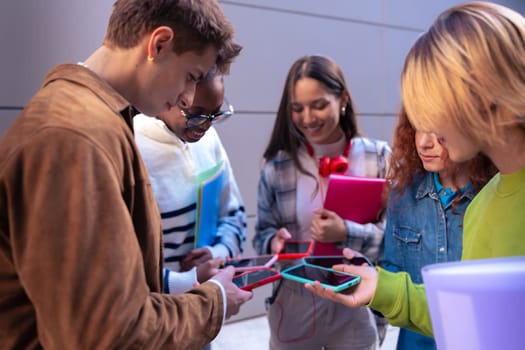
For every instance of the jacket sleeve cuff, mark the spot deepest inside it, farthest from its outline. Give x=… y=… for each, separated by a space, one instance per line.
x=219 y=251
x=179 y=282
x=389 y=292
x=224 y=300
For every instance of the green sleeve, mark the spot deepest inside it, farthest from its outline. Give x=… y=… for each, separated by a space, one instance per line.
x=402 y=302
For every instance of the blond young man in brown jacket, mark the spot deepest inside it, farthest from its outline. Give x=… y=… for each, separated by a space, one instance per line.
x=80 y=233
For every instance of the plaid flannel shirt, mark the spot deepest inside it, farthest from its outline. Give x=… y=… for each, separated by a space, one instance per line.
x=276 y=201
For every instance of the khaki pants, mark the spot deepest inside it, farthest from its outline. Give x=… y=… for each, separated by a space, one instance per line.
x=300 y=320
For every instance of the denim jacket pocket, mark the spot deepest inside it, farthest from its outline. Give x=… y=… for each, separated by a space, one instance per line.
x=408 y=243
x=407 y=235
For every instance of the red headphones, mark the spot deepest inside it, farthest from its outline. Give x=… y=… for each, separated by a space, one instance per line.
x=329 y=165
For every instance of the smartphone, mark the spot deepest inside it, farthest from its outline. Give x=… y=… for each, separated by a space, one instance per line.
x=331 y=260
x=249 y=280
x=296 y=249
x=251 y=263
x=328 y=277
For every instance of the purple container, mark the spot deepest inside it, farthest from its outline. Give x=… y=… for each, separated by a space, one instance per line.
x=477 y=304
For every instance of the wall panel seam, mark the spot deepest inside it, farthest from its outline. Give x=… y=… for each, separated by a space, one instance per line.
x=329 y=17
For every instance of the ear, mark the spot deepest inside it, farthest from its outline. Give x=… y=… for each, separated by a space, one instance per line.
x=160 y=41
x=344 y=99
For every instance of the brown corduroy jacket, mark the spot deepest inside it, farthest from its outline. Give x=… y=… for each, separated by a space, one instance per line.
x=80 y=232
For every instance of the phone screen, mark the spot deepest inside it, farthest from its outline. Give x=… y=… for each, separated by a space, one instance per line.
x=253 y=277
x=329 y=261
x=249 y=262
x=296 y=247
x=329 y=277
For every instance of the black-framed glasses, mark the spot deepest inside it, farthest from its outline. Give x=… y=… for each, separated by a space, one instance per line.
x=193 y=120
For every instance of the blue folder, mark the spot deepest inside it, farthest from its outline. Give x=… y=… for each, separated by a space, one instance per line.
x=210 y=184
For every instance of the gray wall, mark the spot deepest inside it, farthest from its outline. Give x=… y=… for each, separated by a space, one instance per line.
x=369 y=39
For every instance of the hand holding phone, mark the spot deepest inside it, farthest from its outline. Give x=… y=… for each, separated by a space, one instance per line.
x=249 y=280
x=360 y=295
x=328 y=277
x=235 y=296
x=277 y=242
x=208 y=269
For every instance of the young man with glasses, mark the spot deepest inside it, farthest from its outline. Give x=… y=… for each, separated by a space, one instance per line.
x=177 y=147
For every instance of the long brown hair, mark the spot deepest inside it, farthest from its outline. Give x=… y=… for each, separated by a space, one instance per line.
x=285 y=136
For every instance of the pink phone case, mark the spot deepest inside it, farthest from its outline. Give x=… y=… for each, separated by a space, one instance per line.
x=252 y=262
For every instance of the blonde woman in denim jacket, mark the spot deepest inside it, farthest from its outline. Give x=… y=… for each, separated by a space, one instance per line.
x=428 y=198
x=315 y=119
x=473 y=99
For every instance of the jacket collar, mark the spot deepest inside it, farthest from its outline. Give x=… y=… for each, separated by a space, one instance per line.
x=81 y=75
x=427 y=188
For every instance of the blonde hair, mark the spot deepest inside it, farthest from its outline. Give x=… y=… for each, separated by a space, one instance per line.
x=468 y=70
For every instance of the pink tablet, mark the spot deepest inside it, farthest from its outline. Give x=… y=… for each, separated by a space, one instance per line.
x=358 y=199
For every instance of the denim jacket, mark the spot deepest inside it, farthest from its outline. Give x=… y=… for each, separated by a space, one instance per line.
x=419 y=232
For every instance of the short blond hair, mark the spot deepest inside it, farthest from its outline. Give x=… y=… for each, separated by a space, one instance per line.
x=468 y=70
